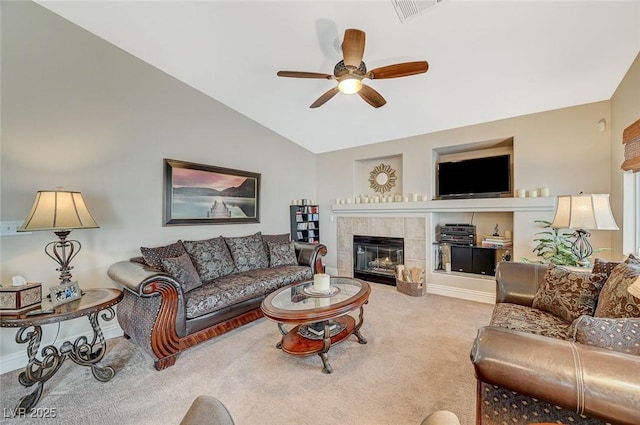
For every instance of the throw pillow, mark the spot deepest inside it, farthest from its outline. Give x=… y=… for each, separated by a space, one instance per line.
x=568 y=294
x=211 y=258
x=281 y=238
x=154 y=256
x=248 y=252
x=614 y=299
x=604 y=266
x=182 y=269
x=282 y=254
x=619 y=334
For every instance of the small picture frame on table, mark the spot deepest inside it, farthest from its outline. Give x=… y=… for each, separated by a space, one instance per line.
x=65 y=293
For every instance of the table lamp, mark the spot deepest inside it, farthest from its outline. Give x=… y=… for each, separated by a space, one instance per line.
x=583 y=212
x=60 y=211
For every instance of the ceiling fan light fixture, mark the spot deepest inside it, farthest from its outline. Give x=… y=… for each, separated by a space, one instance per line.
x=350 y=85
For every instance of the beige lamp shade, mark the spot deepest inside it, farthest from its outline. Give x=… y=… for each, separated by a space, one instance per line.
x=58 y=210
x=584 y=212
x=634 y=288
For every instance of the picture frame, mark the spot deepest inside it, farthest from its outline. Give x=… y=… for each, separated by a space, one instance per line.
x=196 y=194
x=65 y=293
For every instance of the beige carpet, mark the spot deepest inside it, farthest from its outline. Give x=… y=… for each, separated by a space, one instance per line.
x=416 y=361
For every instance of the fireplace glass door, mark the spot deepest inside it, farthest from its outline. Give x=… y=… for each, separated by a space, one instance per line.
x=375 y=258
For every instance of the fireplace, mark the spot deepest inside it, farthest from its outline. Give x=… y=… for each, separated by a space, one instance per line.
x=375 y=258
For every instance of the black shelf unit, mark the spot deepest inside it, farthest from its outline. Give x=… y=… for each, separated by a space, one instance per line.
x=305 y=223
x=476 y=259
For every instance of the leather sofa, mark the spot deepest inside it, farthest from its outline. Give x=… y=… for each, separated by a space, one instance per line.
x=534 y=366
x=185 y=293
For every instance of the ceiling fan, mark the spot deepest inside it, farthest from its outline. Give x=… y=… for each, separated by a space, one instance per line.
x=350 y=72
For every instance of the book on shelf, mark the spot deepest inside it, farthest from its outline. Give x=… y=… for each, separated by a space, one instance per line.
x=489 y=244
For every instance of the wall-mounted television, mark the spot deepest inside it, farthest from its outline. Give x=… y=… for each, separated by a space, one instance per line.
x=484 y=177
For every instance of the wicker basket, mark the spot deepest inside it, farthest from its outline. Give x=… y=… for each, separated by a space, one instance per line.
x=411 y=288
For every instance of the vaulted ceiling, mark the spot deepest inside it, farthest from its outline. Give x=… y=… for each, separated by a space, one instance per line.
x=488 y=60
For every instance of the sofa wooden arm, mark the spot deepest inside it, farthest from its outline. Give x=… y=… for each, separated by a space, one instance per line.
x=152 y=311
x=588 y=380
x=517 y=283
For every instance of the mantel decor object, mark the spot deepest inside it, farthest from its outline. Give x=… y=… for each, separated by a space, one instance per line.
x=60 y=211
x=583 y=212
x=382 y=178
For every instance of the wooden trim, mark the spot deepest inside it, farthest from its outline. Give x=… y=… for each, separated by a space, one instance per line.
x=632 y=164
x=631 y=133
x=165 y=342
x=220 y=328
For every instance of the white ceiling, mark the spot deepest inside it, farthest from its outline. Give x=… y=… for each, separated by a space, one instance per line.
x=488 y=60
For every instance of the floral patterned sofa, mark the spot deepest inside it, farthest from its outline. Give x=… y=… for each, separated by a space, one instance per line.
x=184 y=293
x=562 y=346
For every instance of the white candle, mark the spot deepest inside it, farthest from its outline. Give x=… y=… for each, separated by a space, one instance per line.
x=532 y=193
x=544 y=191
x=414 y=197
x=520 y=193
x=321 y=282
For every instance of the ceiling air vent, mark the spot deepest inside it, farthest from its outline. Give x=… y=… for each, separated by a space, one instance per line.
x=408 y=9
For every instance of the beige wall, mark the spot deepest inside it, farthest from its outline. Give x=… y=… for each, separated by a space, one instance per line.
x=80 y=113
x=625 y=109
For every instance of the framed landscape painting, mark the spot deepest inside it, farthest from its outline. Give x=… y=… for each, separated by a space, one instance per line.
x=203 y=194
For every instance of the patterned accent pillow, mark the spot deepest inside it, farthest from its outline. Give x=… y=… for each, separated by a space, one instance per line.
x=282 y=254
x=614 y=299
x=248 y=252
x=604 y=266
x=282 y=238
x=211 y=258
x=619 y=334
x=568 y=294
x=154 y=256
x=182 y=269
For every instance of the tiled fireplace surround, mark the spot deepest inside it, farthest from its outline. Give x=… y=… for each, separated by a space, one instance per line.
x=412 y=229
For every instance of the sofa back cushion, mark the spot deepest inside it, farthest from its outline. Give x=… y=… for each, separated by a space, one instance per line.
x=154 y=256
x=614 y=299
x=604 y=266
x=211 y=258
x=569 y=294
x=281 y=238
x=248 y=252
x=183 y=270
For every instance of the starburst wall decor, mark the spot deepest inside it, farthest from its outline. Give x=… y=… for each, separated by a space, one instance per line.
x=382 y=178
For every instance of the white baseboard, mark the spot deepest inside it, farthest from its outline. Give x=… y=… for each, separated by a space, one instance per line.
x=465 y=294
x=19 y=360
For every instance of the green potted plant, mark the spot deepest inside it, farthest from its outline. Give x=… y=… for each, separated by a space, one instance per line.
x=554 y=246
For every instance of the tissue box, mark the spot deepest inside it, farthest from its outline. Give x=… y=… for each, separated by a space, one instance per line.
x=16 y=298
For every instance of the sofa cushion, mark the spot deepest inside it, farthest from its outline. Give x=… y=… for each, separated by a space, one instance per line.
x=281 y=238
x=211 y=258
x=248 y=252
x=614 y=299
x=616 y=334
x=282 y=254
x=568 y=294
x=604 y=266
x=526 y=319
x=277 y=277
x=183 y=270
x=154 y=256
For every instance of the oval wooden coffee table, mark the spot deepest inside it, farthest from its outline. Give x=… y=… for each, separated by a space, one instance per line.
x=320 y=319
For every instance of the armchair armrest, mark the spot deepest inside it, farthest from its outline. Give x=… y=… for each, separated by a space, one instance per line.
x=517 y=283
x=310 y=254
x=588 y=380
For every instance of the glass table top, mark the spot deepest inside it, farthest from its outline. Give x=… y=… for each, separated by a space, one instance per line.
x=302 y=296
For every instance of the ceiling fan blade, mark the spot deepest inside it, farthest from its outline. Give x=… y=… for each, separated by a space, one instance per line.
x=300 y=74
x=353 y=47
x=371 y=96
x=324 y=98
x=398 y=70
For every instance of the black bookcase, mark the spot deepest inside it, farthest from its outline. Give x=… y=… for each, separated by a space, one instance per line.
x=305 y=223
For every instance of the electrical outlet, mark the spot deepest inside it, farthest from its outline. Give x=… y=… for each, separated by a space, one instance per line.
x=8 y=228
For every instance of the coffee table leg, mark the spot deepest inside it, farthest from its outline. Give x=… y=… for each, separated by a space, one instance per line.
x=356 y=331
x=325 y=362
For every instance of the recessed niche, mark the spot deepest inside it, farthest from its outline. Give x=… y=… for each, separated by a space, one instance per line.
x=373 y=176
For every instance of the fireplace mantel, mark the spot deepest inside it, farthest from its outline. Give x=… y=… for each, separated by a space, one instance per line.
x=452 y=205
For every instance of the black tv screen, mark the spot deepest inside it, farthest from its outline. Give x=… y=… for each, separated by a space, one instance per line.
x=476 y=177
